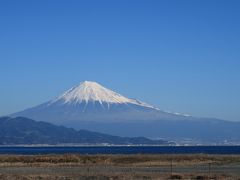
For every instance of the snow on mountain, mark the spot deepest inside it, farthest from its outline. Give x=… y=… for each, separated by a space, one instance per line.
x=91 y=102
x=88 y=91
x=94 y=107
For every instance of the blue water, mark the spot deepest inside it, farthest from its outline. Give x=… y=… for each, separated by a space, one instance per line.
x=123 y=150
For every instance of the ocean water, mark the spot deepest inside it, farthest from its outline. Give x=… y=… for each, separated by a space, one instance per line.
x=122 y=150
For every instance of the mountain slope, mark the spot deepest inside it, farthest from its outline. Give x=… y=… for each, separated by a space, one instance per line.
x=94 y=107
x=196 y=131
x=89 y=101
x=88 y=91
x=22 y=130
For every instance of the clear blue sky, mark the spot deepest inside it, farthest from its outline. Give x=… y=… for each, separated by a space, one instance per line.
x=182 y=56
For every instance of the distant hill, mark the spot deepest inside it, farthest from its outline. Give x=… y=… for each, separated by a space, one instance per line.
x=20 y=130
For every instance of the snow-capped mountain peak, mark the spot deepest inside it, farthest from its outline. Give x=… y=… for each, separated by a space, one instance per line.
x=89 y=91
x=91 y=102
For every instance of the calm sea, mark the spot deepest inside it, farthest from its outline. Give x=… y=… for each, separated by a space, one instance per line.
x=123 y=150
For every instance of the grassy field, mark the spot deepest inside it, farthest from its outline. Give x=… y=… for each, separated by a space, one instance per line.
x=75 y=166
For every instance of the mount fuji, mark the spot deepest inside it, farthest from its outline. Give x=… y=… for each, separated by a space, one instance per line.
x=94 y=107
x=89 y=101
